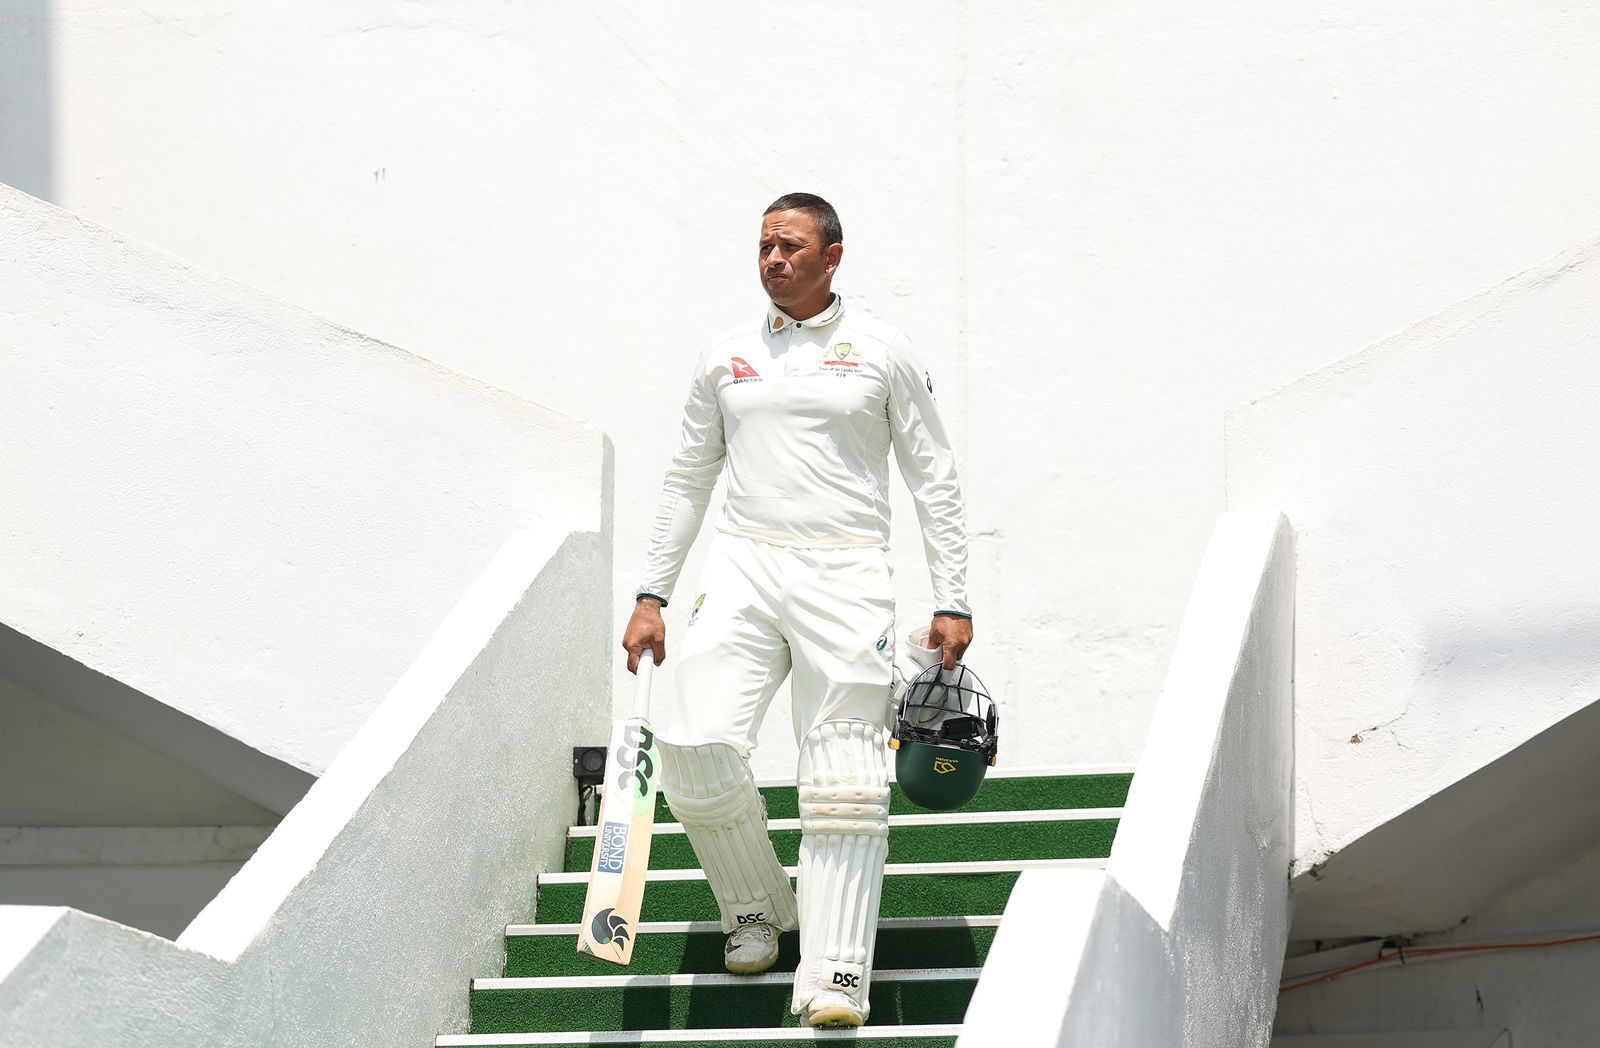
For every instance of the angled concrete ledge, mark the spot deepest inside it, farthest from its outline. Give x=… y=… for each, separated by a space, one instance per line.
x=227 y=505
x=1537 y=804
x=272 y=783
x=1444 y=485
x=1180 y=940
x=409 y=855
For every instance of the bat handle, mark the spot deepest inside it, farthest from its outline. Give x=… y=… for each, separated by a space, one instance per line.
x=641 y=684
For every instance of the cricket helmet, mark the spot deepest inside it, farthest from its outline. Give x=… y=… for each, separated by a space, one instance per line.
x=945 y=737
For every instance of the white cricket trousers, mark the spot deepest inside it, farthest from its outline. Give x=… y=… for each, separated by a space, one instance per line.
x=764 y=612
x=827 y=617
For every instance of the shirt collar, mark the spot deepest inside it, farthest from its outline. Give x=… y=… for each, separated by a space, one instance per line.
x=778 y=320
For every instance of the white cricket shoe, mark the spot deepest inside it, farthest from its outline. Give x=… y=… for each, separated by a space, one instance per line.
x=751 y=948
x=830 y=1009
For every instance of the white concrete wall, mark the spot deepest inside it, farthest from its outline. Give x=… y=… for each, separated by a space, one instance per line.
x=1443 y=860
x=1409 y=1039
x=236 y=508
x=158 y=891
x=1543 y=996
x=362 y=918
x=1179 y=942
x=92 y=819
x=1104 y=225
x=1445 y=484
x=58 y=768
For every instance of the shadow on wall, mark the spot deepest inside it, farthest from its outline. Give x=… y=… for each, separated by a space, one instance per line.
x=1429 y=868
x=25 y=103
x=1525 y=652
x=1516 y=638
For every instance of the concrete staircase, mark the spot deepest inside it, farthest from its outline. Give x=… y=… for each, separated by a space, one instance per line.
x=946 y=884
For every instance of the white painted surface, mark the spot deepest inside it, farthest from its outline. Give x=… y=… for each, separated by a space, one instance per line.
x=237 y=508
x=1441 y=861
x=59 y=768
x=154 y=878
x=1544 y=996
x=148 y=723
x=161 y=898
x=131 y=845
x=1446 y=484
x=1411 y=1039
x=21 y=929
x=1036 y=959
x=92 y=819
x=409 y=855
x=1181 y=940
x=1103 y=226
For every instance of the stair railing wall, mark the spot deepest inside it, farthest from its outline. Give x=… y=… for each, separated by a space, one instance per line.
x=359 y=920
x=1178 y=942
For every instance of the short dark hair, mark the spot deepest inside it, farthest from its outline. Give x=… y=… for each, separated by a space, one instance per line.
x=818 y=208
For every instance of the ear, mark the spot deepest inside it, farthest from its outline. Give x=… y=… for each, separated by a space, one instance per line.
x=831 y=255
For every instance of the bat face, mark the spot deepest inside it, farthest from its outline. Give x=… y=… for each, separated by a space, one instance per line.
x=622 y=846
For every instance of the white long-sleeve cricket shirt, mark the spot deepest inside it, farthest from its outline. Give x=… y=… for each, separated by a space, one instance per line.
x=804 y=413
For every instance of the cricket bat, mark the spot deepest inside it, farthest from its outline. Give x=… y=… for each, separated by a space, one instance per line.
x=622 y=840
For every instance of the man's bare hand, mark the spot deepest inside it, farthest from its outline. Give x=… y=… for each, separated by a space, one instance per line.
x=952 y=634
x=645 y=630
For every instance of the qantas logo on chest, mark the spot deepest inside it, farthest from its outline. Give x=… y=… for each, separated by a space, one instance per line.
x=742 y=368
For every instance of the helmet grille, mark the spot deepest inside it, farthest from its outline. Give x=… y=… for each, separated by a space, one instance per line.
x=949 y=708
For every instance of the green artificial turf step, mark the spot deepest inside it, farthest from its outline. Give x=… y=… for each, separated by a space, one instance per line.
x=676 y=1002
x=664 y=948
x=928 y=954
x=909 y=890
x=931 y=1035
x=1060 y=833
x=1003 y=790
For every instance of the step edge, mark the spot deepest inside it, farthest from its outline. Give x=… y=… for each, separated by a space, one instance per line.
x=956 y=818
x=782 y=1033
x=565 y=982
x=891 y=870
x=1032 y=771
x=977 y=920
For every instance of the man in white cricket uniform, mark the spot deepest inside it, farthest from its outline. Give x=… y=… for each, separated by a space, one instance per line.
x=802 y=408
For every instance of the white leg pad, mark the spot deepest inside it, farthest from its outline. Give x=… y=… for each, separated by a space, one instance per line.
x=711 y=791
x=844 y=818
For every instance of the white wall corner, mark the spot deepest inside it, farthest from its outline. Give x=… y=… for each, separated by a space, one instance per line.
x=1032 y=963
x=297 y=505
x=1439 y=480
x=418 y=846
x=21 y=928
x=1182 y=940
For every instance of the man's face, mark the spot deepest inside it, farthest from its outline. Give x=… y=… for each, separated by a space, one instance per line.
x=795 y=268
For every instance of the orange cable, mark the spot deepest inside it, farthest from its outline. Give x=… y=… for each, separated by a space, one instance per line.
x=1402 y=952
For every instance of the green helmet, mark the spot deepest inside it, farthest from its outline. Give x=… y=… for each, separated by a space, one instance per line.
x=946 y=735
